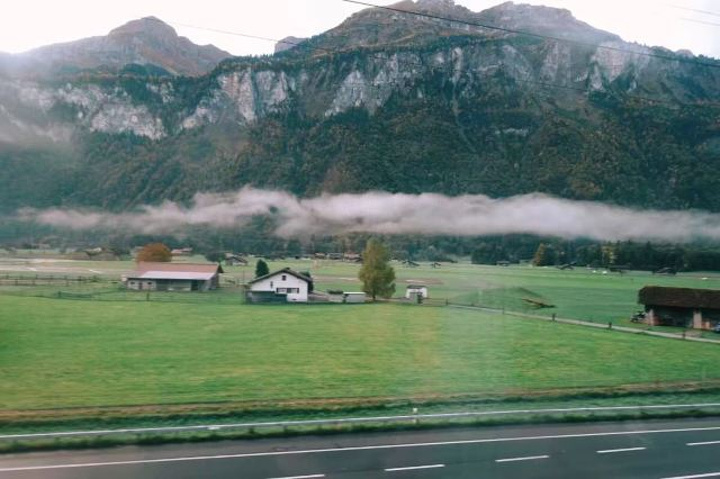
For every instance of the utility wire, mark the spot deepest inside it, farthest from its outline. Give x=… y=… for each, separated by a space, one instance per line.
x=535 y=35
x=246 y=35
x=702 y=22
x=688 y=9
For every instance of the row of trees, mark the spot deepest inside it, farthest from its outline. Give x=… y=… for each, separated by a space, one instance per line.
x=642 y=256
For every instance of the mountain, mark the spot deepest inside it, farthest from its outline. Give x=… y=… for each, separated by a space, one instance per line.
x=288 y=43
x=147 y=42
x=380 y=27
x=385 y=101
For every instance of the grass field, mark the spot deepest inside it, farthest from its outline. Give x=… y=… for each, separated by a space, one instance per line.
x=59 y=353
x=578 y=294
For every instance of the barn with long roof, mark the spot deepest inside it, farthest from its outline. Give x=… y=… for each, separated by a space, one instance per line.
x=682 y=307
x=174 y=277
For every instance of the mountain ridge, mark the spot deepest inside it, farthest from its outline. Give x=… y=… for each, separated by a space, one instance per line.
x=145 y=41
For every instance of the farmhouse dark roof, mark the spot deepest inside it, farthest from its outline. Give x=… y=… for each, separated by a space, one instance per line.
x=283 y=271
x=143 y=267
x=680 y=297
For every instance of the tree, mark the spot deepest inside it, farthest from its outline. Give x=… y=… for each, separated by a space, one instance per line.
x=545 y=255
x=261 y=268
x=540 y=258
x=377 y=275
x=155 y=253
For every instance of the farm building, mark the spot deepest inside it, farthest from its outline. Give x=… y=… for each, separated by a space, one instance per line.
x=416 y=290
x=174 y=277
x=284 y=286
x=683 y=307
x=232 y=259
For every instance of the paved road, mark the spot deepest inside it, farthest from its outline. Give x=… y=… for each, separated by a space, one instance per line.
x=686 y=449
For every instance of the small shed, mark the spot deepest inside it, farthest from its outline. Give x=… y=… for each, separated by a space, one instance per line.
x=414 y=291
x=682 y=307
x=346 y=297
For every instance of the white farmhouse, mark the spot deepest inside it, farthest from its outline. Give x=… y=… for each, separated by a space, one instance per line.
x=285 y=285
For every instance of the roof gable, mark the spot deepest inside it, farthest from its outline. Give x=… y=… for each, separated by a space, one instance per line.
x=680 y=297
x=282 y=271
x=143 y=267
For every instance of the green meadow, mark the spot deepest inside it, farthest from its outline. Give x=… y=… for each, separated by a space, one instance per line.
x=581 y=293
x=64 y=353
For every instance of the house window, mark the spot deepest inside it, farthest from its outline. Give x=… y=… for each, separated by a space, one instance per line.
x=293 y=290
x=284 y=277
x=271 y=284
x=282 y=290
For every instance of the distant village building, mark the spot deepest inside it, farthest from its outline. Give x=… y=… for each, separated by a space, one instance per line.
x=174 y=277
x=352 y=257
x=232 y=259
x=281 y=286
x=182 y=252
x=414 y=291
x=682 y=307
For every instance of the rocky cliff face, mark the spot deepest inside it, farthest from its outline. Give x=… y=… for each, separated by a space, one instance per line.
x=447 y=109
x=147 y=41
x=288 y=43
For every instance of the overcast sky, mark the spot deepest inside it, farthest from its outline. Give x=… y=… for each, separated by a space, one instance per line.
x=26 y=24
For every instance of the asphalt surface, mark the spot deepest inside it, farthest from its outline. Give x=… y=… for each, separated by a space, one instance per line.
x=686 y=449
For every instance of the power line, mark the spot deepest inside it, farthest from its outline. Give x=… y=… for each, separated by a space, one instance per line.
x=688 y=9
x=702 y=22
x=246 y=35
x=534 y=35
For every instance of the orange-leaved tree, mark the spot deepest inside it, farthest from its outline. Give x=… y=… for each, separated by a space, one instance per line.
x=155 y=253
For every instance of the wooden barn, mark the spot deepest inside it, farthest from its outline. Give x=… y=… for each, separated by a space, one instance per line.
x=682 y=307
x=174 y=277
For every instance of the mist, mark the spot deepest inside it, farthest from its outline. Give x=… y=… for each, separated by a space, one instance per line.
x=389 y=214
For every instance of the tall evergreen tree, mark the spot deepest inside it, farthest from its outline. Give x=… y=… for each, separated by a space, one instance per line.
x=261 y=268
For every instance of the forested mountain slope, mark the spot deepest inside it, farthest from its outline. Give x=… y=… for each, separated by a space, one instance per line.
x=384 y=101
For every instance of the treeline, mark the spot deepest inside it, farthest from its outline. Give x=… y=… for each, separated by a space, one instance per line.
x=621 y=255
x=257 y=238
